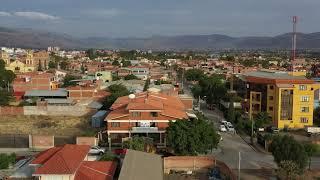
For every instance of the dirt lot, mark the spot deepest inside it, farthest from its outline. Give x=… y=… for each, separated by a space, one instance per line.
x=46 y=125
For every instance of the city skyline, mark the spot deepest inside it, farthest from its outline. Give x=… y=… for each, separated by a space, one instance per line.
x=145 y=18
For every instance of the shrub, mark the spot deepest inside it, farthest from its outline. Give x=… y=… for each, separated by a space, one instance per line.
x=6 y=160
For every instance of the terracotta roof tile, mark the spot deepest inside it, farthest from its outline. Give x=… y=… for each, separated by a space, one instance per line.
x=96 y=170
x=64 y=161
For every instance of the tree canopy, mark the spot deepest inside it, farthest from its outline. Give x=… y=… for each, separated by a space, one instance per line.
x=116 y=90
x=191 y=137
x=115 y=63
x=194 y=74
x=130 y=77
x=6 y=76
x=125 y=63
x=286 y=148
x=262 y=119
x=5 y=97
x=213 y=88
x=135 y=143
x=68 y=80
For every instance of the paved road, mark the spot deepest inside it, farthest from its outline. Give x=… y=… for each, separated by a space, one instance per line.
x=232 y=144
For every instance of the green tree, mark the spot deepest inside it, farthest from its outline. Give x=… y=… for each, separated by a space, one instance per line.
x=116 y=90
x=6 y=160
x=5 y=97
x=191 y=137
x=52 y=65
x=146 y=85
x=130 y=77
x=6 y=76
x=288 y=169
x=194 y=74
x=108 y=157
x=115 y=63
x=311 y=150
x=135 y=143
x=213 y=88
x=196 y=91
x=262 y=119
x=125 y=63
x=69 y=80
x=83 y=69
x=115 y=77
x=64 y=65
x=316 y=116
x=286 y=148
x=231 y=112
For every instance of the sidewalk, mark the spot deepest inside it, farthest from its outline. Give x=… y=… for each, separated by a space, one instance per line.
x=255 y=146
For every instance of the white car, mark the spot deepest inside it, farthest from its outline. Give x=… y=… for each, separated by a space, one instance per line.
x=97 y=150
x=230 y=128
x=223 y=122
x=223 y=128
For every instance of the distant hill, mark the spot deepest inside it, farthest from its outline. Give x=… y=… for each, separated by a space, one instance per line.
x=28 y=38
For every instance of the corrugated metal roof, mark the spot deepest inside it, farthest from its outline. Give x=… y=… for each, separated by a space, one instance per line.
x=43 y=93
x=273 y=75
x=139 y=165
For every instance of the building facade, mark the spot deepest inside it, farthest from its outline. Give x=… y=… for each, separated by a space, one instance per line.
x=288 y=99
x=146 y=114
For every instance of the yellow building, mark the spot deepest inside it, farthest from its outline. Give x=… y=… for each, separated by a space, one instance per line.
x=19 y=67
x=5 y=57
x=288 y=99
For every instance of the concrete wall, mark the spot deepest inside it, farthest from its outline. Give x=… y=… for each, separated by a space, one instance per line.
x=41 y=142
x=56 y=110
x=91 y=141
x=195 y=163
x=10 y=110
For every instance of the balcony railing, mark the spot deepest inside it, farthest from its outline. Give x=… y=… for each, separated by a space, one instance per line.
x=144 y=129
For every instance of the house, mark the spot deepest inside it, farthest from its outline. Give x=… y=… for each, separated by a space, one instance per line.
x=86 y=92
x=33 y=81
x=139 y=165
x=70 y=162
x=288 y=99
x=144 y=113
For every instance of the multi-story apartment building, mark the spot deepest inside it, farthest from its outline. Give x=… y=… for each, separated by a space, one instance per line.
x=288 y=99
x=146 y=114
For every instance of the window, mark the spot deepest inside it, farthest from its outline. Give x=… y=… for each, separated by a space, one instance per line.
x=304 y=98
x=115 y=124
x=302 y=87
x=136 y=114
x=304 y=120
x=270 y=108
x=271 y=98
x=304 y=109
x=154 y=114
x=271 y=87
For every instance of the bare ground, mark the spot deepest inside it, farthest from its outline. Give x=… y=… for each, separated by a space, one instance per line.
x=46 y=125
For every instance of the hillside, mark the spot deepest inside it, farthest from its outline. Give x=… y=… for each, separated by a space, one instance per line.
x=27 y=38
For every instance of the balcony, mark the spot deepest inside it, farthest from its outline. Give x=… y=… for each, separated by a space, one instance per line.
x=144 y=130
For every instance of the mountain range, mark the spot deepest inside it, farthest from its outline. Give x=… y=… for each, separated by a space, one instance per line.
x=29 y=38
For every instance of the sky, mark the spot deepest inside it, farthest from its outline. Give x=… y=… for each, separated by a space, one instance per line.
x=144 y=18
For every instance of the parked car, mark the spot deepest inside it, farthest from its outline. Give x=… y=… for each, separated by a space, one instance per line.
x=223 y=128
x=223 y=122
x=230 y=128
x=221 y=139
x=272 y=129
x=97 y=150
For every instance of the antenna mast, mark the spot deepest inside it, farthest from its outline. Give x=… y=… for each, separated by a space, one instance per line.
x=294 y=40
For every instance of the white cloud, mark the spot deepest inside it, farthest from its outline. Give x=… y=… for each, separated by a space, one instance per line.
x=2 y=13
x=107 y=13
x=35 y=15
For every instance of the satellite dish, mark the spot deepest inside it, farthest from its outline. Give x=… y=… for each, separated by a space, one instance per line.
x=132 y=96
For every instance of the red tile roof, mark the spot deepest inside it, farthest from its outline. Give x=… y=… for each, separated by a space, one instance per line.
x=170 y=106
x=44 y=156
x=96 y=170
x=64 y=161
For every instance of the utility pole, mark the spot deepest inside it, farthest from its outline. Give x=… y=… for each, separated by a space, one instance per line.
x=294 y=40
x=239 y=165
x=250 y=116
